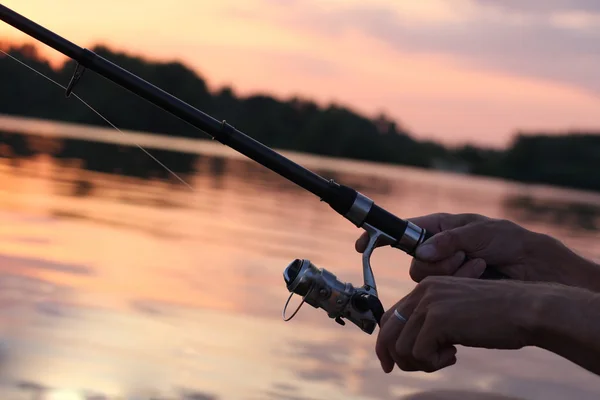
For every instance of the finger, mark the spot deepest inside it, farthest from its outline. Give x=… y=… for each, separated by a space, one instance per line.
x=391 y=326
x=444 y=244
x=386 y=338
x=402 y=352
x=362 y=242
x=400 y=304
x=446 y=357
x=406 y=342
x=385 y=317
x=443 y=358
x=430 y=347
x=472 y=269
x=419 y=270
x=399 y=326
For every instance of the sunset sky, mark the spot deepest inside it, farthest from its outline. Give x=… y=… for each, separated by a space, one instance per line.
x=454 y=71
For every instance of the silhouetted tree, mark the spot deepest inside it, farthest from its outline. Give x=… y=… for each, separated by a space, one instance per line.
x=295 y=124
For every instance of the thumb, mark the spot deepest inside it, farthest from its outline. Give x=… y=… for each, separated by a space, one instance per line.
x=446 y=243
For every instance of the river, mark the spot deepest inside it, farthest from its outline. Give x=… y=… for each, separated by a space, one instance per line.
x=115 y=287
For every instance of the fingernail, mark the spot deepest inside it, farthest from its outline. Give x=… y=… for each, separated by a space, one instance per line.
x=459 y=257
x=426 y=251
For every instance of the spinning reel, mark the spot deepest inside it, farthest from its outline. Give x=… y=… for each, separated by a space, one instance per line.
x=321 y=289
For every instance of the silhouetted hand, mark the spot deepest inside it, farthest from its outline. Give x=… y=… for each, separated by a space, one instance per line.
x=517 y=252
x=442 y=312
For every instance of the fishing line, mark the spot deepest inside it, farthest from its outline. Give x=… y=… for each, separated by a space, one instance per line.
x=101 y=116
x=225 y=216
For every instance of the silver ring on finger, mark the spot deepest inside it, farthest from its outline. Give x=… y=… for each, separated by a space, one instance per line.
x=399 y=316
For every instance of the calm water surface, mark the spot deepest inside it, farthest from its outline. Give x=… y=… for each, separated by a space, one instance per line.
x=115 y=287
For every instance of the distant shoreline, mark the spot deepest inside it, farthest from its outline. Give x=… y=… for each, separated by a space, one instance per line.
x=155 y=141
x=295 y=126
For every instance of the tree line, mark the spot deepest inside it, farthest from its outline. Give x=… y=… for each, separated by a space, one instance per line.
x=569 y=159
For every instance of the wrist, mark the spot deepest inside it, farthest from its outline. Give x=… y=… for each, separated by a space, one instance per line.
x=551 y=311
x=542 y=314
x=566 y=321
x=559 y=263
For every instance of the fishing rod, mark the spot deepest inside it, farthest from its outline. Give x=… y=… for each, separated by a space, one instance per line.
x=317 y=286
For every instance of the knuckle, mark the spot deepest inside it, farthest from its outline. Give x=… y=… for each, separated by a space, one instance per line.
x=472 y=217
x=419 y=356
x=404 y=354
x=426 y=303
x=495 y=225
x=448 y=220
x=499 y=221
x=487 y=230
x=508 y=225
x=435 y=315
x=422 y=287
x=451 y=236
x=445 y=218
x=429 y=282
x=428 y=291
x=426 y=282
x=447 y=239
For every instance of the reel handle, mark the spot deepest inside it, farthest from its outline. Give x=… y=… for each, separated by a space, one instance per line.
x=490 y=273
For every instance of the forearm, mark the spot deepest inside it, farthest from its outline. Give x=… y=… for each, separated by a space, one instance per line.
x=567 y=322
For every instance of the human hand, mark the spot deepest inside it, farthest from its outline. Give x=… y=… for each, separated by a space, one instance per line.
x=517 y=252
x=442 y=312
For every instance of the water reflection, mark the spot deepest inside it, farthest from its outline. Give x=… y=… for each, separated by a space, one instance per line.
x=20 y=263
x=457 y=395
x=34 y=391
x=131 y=162
x=117 y=281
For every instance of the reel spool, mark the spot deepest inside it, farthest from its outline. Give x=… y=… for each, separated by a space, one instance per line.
x=321 y=289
